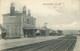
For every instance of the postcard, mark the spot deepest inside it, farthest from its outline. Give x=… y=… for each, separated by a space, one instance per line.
x=39 y=25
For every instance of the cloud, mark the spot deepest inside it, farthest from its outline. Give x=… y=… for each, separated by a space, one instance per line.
x=42 y=13
x=72 y=26
x=71 y=4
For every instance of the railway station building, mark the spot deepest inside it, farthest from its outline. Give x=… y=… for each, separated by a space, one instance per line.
x=43 y=31
x=19 y=24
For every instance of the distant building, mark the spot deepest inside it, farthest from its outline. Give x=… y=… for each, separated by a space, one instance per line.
x=19 y=24
x=43 y=31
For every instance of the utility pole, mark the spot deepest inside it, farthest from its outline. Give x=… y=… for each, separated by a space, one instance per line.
x=45 y=24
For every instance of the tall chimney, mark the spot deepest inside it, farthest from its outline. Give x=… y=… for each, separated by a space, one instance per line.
x=12 y=9
x=24 y=10
x=29 y=13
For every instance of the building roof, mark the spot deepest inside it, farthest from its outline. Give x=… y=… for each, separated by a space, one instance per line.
x=15 y=14
x=29 y=27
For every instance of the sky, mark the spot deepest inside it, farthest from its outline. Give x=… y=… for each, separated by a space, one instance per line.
x=59 y=14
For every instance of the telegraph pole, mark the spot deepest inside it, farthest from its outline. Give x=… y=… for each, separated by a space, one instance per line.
x=45 y=24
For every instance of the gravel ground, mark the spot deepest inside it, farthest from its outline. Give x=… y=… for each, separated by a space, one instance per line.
x=77 y=46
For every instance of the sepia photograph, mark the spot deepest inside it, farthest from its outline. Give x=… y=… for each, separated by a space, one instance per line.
x=39 y=25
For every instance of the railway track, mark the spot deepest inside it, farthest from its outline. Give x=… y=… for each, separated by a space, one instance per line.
x=52 y=44
x=67 y=42
x=62 y=44
x=57 y=45
x=64 y=47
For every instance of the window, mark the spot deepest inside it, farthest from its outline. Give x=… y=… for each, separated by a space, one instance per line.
x=27 y=21
x=32 y=22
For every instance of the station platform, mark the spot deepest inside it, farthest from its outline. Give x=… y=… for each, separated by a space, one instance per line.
x=10 y=43
x=77 y=46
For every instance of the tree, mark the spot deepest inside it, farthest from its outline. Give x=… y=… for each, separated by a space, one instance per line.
x=0 y=29
x=79 y=31
x=60 y=32
x=0 y=26
x=3 y=31
x=52 y=33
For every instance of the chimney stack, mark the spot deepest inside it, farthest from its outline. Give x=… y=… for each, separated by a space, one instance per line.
x=12 y=9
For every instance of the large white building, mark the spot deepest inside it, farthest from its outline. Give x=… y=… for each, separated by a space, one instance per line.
x=19 y=24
